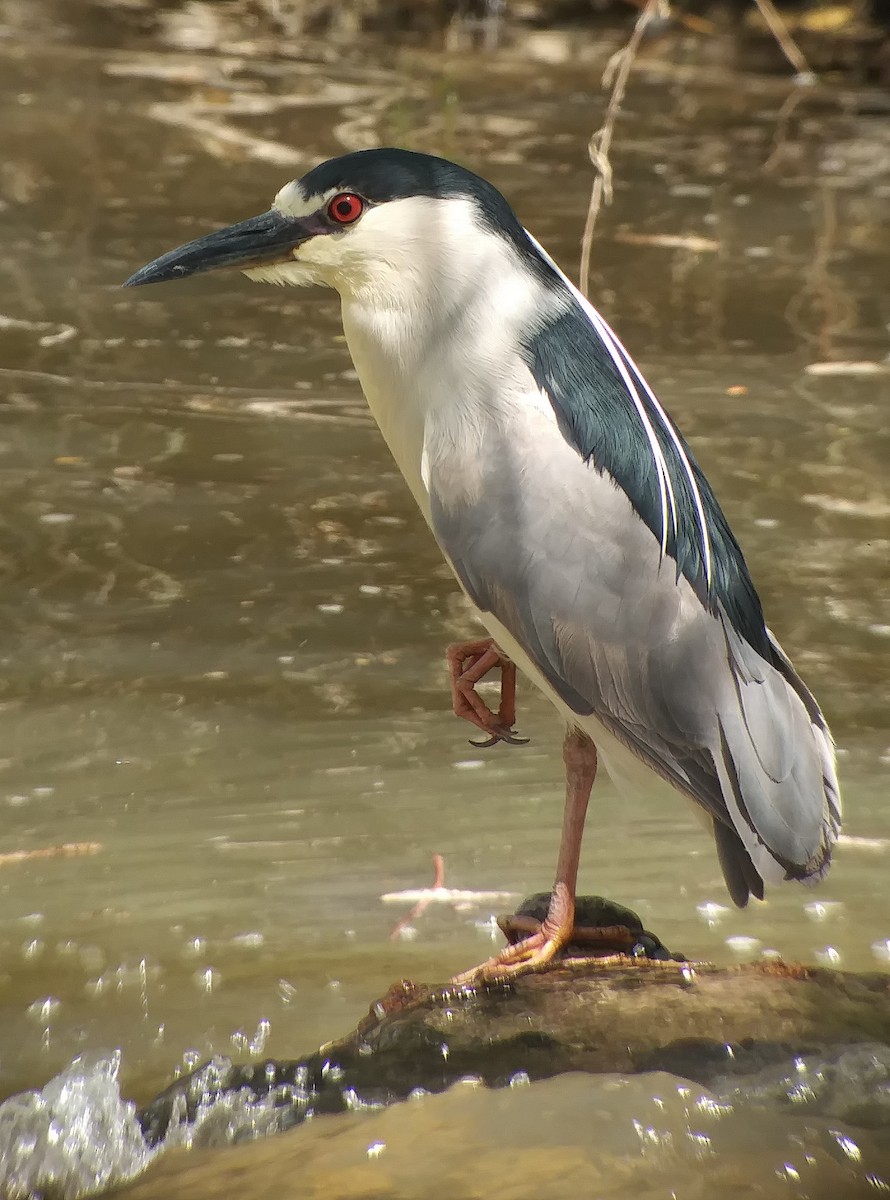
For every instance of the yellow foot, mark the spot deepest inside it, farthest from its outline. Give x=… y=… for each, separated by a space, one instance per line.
x=524 y=958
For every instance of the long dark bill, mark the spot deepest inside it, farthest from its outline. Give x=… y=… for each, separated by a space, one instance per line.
x=258 y=241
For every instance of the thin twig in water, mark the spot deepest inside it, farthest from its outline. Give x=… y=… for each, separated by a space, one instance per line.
x=789 y=46
x=616 y=73
x=783 y=120
x=421 y=905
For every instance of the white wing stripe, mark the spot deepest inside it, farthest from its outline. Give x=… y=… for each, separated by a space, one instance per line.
x=624 y=363
x=687 y=466
x=664 y=479
x=614 y=347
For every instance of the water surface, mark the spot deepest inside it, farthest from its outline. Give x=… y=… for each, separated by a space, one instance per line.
x=223 y=676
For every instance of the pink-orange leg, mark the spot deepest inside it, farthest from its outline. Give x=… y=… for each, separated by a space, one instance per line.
x=534 y=952
x=468 y=663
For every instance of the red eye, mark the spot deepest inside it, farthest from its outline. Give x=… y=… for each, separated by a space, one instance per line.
x=346 y=208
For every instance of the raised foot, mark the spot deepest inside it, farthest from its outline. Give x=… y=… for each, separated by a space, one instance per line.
x=468 y=664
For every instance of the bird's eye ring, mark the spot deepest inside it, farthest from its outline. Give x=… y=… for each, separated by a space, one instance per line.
x=346 y=208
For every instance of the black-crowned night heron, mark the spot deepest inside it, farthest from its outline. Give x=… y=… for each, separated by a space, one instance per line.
x=567 y=504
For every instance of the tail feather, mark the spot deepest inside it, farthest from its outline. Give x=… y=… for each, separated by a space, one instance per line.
x=775 y=763
x=833 y=813
x=739 y=872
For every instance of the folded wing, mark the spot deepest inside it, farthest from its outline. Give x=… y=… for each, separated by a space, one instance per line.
x=613 y=566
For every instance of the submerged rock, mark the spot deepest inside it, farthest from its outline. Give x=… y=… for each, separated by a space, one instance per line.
x=592 y=1014
x=625 y=1076
x=663 y=1066
x=605 y=1136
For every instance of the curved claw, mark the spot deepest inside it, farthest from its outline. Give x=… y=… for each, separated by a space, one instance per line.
x=484 y=743
x=468 y=664
x=501 y=735
x=523 y=958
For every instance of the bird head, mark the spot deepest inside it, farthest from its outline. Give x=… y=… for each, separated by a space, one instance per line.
x=376 y=219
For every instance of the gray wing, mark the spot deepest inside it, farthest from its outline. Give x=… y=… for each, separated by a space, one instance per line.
x=552 y=547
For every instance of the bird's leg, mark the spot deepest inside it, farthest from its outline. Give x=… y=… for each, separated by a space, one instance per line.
x=468 y=663
x=534 y=952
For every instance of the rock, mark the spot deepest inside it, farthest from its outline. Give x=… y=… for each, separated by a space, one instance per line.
x=588 y=1014
x=646 y=1137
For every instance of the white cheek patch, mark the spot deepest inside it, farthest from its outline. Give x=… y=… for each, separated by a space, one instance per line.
x=291 y=202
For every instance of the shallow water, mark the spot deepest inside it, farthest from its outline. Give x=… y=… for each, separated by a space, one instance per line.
x=786 y=1134
x=223 y=622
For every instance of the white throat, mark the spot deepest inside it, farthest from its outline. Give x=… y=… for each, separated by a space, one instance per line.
x=432 y=324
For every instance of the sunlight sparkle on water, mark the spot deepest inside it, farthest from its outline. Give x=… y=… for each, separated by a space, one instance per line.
x=823 y=910
x=742 y=945
x=711 y=913
x=207 y=980
x=829 y=956
x=848 y=1146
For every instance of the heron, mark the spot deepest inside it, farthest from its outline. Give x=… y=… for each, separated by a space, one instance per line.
x=567 y=503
